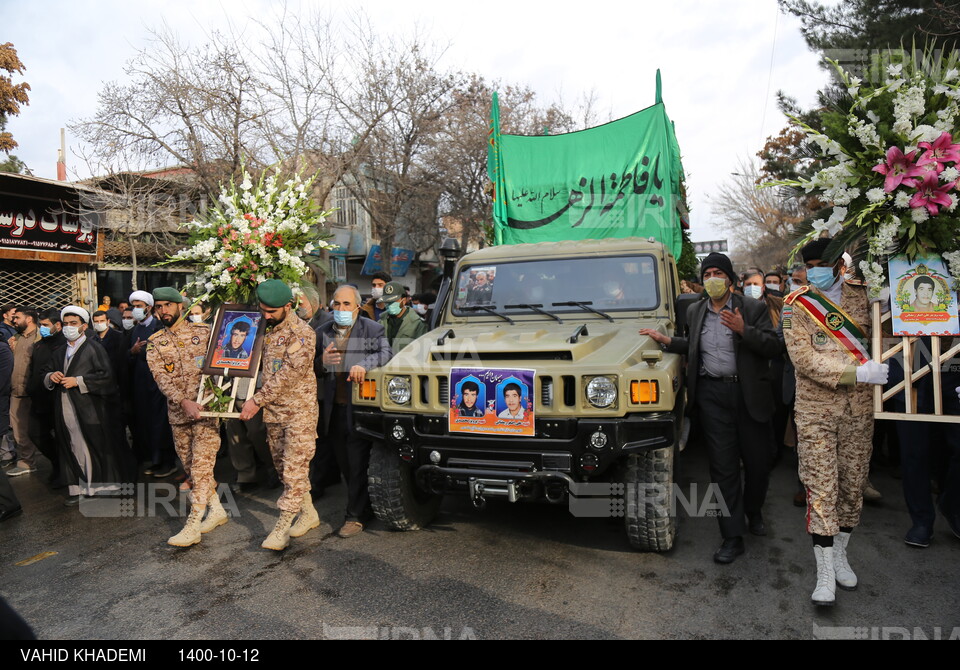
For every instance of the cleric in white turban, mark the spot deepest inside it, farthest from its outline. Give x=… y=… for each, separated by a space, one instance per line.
x=93 y=455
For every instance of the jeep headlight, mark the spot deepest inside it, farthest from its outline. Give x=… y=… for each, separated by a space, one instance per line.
x=398 y=390
x=601 y=392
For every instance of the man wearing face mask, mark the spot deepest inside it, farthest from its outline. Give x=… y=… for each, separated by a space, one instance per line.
x=347 y=348
x=288 y=399
x=152 y=437
x=374 y=307
x=91 y=460
x=826 y=328
x=729 y=349
x=400 y=323
x=112 y=341
x=42 y=422
x=175 y=356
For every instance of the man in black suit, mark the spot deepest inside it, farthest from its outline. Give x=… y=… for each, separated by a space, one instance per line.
x=347 y=348
x=729 y=349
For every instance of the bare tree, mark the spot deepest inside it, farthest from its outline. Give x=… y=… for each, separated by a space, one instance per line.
x=197 y=108
x=760 y=220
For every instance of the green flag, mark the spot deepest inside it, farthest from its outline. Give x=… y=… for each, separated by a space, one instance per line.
x=495 y=169
x=621 y=179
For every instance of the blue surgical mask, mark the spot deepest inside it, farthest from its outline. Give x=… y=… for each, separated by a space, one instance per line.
x=821 y=277
x=754 y=292
x=44 y=331
x=394 y=308
x=139 y=313
x=342 y=318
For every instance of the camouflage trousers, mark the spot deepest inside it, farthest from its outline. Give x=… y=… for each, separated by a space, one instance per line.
x=292 y=449
x=834 y=443
x=197 y=445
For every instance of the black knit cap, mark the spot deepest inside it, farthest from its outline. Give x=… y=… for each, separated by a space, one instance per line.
x=720 y=261
x=815 y=251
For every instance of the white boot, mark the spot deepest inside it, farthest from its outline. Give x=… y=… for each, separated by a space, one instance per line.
x=279 y=538
x=217 y=516
x=190 y=534
x=308 y=519
x=825 y=593
x=846 y=579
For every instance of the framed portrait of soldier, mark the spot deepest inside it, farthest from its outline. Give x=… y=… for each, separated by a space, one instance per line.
x=922 y=299
x=237 y=342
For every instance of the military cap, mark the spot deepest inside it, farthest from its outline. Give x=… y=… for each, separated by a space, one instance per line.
x=167 y=293
x=814 y=251
x=392 y=292
x=274 y=293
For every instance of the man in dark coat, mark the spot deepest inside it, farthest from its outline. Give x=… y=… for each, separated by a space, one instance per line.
x=347 y=348
x=729 y=349
x=152 y=437
x=9 y=505
x=91 y=459
x=42 y=422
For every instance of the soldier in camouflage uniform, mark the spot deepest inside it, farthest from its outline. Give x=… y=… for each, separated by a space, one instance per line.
x=826 y=328
x=289 y=401
x=175 y=356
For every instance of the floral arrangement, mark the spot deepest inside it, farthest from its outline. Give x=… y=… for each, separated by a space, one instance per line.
x=892 y=167
x=252 y=234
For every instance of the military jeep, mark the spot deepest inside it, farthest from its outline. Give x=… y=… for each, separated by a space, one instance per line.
x=599 y=403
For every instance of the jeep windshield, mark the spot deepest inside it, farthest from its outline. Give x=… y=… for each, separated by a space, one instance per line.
x=559 y=286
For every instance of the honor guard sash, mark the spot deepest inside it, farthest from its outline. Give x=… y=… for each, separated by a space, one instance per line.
x=833 y=321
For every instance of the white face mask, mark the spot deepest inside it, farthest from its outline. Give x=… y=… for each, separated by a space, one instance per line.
x=420 y=308
x=753 y=292
x=195 y=318
x=72 y=333
x=99 y=327
x=773 y=287
x=128 y=324
x=376 y=292
x=139 y=313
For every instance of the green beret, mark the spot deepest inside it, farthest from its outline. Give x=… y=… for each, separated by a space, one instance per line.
x=274 y=293
x=393 y=292
x=167 y=293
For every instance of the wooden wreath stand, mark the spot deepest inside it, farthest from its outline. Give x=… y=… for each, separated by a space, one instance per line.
x=910 y=375
x=205 y=397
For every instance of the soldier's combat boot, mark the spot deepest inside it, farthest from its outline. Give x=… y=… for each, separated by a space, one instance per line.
x=217 y=516
x=190 y=534
x=308 y=519
x=846 y=579
x=279 y=538
x=825 y=593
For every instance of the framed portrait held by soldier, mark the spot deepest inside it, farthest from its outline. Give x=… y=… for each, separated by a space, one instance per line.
x=237 y=342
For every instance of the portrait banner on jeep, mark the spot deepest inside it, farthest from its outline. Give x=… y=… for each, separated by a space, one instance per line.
x=492 y=401
x=621 y=179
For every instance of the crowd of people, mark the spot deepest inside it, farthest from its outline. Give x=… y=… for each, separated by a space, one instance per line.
x=773 y=361
x=111 y=397
x=779 y=360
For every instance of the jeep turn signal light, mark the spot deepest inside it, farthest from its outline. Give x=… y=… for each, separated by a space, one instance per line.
x=368 y=390
x=644 y=392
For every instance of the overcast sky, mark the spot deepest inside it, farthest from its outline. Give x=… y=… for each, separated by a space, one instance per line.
x=721 y=62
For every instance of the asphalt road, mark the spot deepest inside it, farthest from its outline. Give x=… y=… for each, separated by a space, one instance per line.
x=508 y=571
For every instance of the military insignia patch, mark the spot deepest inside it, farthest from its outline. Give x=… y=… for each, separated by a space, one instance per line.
x=281 y=340
x=199 y=361
x=168 y=367
x=786 y=317
x=195 y=340
x=163 y=343
x=181 y=344
x=276 y=364
x=834 y=321
x=820 y=338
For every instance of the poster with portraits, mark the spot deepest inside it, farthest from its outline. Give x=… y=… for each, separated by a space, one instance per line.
x=236 y=343
x=492 y=401
x=922 y=299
